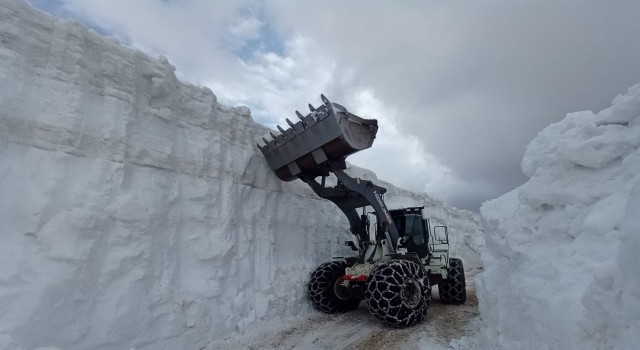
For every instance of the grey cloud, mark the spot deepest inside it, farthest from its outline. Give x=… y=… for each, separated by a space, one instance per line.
x=474 y=82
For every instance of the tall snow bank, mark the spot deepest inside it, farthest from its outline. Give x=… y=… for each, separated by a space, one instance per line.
x=562 y=256
x=136 y=211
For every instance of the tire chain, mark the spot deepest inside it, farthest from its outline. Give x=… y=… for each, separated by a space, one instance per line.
x=320 y=288
x=454 y=289
x=385 y=289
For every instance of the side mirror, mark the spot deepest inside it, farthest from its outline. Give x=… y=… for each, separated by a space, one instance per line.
x=351 y=245
x=441 y=234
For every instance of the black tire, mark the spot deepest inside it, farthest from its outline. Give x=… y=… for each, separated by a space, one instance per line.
x=453 y=290
x=399 y=293
x=325 y=291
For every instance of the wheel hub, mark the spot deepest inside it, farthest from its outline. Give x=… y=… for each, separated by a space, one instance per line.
x=341 y=291
x=411 y=293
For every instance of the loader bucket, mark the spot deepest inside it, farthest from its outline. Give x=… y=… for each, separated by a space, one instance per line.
x=327 y=133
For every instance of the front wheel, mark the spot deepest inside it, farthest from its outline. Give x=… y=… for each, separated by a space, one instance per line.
x=326 y=291
x=398 y=293
x=453 y=290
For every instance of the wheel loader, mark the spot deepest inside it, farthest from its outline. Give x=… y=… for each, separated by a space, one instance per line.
x=394 y=265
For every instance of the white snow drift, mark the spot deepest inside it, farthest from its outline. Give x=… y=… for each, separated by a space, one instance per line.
x=562 y=260
x=136 y=211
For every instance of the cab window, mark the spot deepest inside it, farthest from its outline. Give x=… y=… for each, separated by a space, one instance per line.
x=410 y=225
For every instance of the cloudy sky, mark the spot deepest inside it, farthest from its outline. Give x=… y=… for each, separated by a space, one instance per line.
x=459 y=88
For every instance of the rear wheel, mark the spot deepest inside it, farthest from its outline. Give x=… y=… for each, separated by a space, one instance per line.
x=326 y=291
x=453 y=290
x=398 y=293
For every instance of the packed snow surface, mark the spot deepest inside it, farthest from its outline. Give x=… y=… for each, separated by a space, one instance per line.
x=137 y=211
x=562 y=260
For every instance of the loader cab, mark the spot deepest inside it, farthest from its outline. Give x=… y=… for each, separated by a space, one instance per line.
x=413 y=229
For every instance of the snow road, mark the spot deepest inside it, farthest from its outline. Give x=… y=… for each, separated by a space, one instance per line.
x=446 y=327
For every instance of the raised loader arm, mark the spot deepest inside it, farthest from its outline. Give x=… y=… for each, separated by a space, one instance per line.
x=352 y=193
x=317 y=146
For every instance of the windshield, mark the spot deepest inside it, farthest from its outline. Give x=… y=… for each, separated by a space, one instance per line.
x=410 y=225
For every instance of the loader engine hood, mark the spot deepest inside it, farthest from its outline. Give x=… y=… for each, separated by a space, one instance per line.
x=327 y=133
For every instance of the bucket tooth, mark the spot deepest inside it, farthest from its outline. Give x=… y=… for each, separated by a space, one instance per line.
x=300 y=116
x=328 y=107
x=265 y=141
x=312 y=108
x=289 y=122
x=272 y=135
x=325 y=100
x=280 y=129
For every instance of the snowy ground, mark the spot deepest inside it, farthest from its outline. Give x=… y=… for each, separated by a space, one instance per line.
x=446 y=327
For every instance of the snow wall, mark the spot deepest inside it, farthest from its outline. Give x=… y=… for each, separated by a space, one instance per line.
x=562 y=261
x=136 y=210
